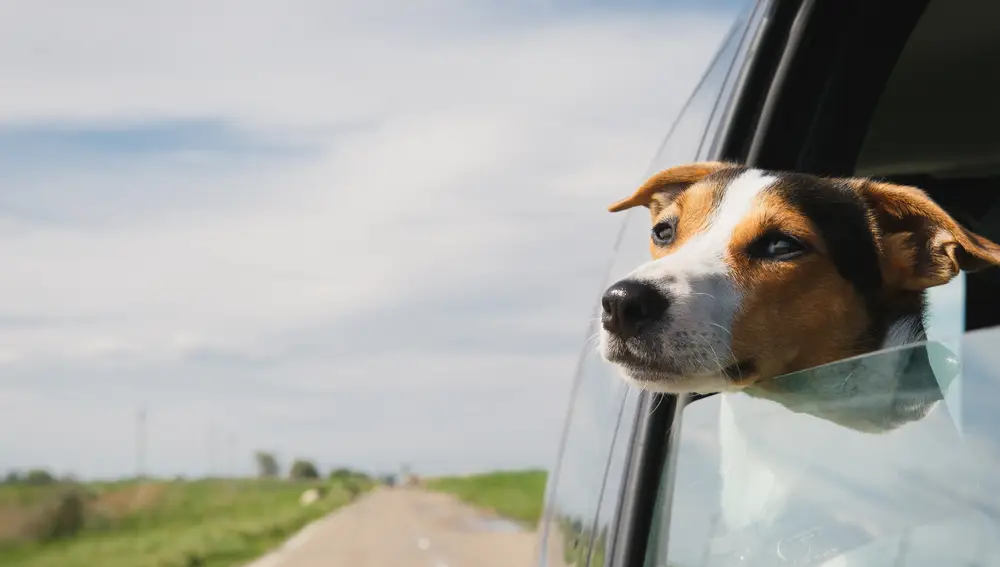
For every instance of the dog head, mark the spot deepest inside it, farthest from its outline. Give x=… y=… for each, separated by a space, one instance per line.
x=756 y=274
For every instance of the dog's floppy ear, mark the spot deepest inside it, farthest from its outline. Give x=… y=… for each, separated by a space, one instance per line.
x=922 y=245
x=673 y=178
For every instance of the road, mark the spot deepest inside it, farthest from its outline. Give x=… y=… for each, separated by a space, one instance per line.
x=406 y=527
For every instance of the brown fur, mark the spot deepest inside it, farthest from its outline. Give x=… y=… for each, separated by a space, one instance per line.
x=820 y=316
x=922 y=246
x=674 y=179
x=691 y=205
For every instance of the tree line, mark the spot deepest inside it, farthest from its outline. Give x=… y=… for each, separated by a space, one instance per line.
x=267 y=465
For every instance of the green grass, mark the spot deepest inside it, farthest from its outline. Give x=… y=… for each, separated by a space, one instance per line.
x=516 y=495
x=206 y=523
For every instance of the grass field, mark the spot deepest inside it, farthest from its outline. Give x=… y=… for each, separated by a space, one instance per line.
x=206 y=523
x=516 y=495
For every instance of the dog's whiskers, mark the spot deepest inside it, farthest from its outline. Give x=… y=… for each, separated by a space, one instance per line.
x=659 y=400
x=725 y=330
x=732 y=356
x=593 y=341
x=715 y=355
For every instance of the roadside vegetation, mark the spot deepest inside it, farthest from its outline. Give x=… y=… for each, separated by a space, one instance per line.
x=48 y=522
x=515 y=495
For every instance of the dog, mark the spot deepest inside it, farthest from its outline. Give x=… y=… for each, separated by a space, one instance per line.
x=757 y=275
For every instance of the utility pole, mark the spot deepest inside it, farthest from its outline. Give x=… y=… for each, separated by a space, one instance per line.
x=140 y=443
x=211 y=451
x=231 y=455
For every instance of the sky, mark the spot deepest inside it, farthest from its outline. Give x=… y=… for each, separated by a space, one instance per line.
x=363 y=232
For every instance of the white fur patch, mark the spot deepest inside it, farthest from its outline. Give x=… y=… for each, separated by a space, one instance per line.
x=703 y=295
x=705 y=252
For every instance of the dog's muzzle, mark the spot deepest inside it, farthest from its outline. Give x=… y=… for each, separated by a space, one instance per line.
x=630 y=306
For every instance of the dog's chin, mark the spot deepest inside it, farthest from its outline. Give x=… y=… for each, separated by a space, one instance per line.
x=670 y=383
x=661 y=374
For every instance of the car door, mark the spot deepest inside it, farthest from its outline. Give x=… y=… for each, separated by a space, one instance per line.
x=903 y=91
x=583 y=494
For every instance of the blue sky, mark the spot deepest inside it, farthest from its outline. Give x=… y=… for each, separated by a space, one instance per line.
x=359 y=232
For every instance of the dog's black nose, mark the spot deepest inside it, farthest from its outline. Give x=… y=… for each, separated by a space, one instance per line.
x=631 y=305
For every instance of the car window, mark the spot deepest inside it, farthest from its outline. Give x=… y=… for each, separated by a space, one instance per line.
x=689 y=132
x=879 y=460
x=900 y=472
x=582 y=496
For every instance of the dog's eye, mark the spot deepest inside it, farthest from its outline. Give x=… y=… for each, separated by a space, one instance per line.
x=777 y=246
x=663 y=233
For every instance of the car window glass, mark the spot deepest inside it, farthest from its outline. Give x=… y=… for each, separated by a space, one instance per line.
x=885 y=459
x=945 y=310
x=687 y=134
x=611 y=492
x=575 y=498
x=681 y=145
x=582 y=497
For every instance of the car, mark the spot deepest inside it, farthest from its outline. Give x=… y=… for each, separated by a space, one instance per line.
x=901 y=90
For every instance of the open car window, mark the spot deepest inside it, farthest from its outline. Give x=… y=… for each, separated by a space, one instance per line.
x=893 y=461
x=889 y=458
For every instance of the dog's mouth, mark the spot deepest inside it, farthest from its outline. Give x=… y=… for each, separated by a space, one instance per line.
x=647 y=368
x=636 y=363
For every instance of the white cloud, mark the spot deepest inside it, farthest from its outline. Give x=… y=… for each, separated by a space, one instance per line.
x=439 y=158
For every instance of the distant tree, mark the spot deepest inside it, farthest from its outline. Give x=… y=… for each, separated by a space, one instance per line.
x=39 y=476
x=352 y=481
x=344 y=473
x=13 y=477
x=267 y=464
x=65 y=518
x=302 y=469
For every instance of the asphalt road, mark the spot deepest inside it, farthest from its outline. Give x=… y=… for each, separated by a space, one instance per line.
x=406 y=527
